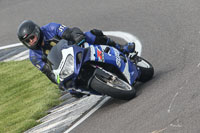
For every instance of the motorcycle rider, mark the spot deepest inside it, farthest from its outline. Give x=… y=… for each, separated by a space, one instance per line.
x=40 y=40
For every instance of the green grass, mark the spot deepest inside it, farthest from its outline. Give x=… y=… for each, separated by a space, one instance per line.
x=25 y=96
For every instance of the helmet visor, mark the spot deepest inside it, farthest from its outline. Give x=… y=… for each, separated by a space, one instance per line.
x=32 y=39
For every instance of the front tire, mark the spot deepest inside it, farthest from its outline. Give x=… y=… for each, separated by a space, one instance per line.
x=116 y=88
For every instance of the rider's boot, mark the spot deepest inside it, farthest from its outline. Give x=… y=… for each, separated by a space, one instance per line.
x=127 y=48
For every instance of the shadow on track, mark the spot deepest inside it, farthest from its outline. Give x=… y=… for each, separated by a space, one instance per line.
x=140 y=87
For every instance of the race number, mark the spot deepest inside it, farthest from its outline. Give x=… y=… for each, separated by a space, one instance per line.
x=61 y=28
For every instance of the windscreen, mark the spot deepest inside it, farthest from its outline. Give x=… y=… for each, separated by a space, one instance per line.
x=55 y=55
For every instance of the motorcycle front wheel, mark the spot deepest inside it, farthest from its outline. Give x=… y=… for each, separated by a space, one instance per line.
x=112 y=86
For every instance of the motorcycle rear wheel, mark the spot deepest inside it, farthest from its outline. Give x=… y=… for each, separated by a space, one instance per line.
x=146 y=69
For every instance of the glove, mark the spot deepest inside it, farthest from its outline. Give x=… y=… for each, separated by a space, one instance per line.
x=47 y=71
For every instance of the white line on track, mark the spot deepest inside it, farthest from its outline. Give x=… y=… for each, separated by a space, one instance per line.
x=170 y=106
x=21 y=56
x=10 y=46
x=88 y=114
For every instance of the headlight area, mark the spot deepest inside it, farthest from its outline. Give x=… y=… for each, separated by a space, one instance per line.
x=68 y=67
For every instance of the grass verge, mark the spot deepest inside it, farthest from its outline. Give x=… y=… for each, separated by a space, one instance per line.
x=25 y=96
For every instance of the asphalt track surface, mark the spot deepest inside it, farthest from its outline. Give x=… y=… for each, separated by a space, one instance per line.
x=169 y=31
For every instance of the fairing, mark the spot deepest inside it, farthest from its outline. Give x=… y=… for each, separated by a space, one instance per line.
x=93 y=53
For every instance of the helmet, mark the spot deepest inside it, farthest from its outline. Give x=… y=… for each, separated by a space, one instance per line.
x=30 y=34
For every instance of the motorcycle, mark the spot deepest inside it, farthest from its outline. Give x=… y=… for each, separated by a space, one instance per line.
x=98 y=69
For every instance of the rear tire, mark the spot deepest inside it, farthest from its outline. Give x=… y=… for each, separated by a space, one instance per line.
x=121 y=91
x=146 y=69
